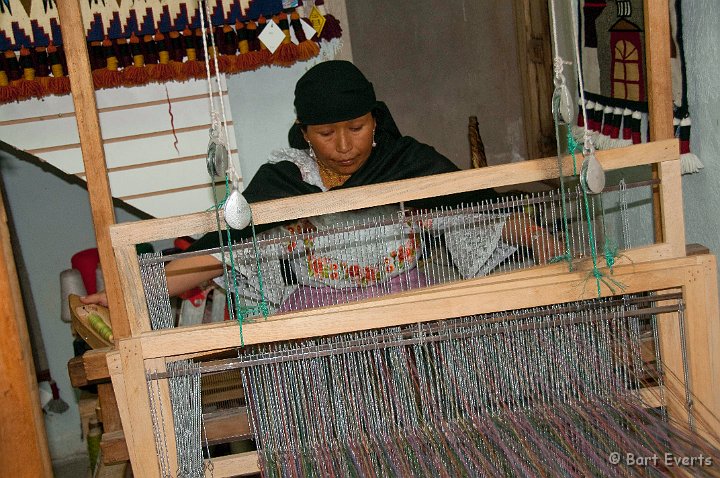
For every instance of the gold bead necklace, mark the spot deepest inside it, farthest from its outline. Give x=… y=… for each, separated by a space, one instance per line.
x=330 y=178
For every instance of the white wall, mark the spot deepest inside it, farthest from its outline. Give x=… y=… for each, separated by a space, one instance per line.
x=701 y=194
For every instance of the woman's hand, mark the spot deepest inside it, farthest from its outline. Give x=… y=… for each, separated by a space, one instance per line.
x=96 y=298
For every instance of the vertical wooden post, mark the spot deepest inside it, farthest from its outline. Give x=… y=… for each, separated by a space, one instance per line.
x=127 y=372
x=93 y=153
x=23 y=439
x=670 y=221
x=702 y=332
x=534 y=46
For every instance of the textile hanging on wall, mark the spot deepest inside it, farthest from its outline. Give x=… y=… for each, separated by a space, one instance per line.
x=134 y=42
x=613 y=56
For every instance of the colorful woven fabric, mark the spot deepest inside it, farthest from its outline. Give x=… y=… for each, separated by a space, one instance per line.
x=133 y=43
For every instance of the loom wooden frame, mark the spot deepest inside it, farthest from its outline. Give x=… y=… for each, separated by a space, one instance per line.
x=695 y=276
x=662 y=265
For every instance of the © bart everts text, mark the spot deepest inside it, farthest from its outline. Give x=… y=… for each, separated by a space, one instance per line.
x=666 y=459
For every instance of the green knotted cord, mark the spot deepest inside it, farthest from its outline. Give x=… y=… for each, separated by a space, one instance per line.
x=610 y=248
x=240 y=311
x=600 y=278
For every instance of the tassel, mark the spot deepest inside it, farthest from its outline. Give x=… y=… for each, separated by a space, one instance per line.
x=227 y=48
x=689 y=162
x=109 y=76
x=95 y=52
x=150 y=51
x=626 y=128
x=635 y=124
x=122 y=53
x=136 y=74
x=59 y=84
x=306 y=48
x=614 y=140
x=615 y=123
x=287 y=53
x=40 y=59
x=607 y=115
x=176 y=50
x=26 y=85
x=151 y=56
x=8 y=92
x=264 y=54
x=331 y=29
x=26 y=64
x=163 y=71
x=592 y=123
x=12 y=66
x=244 y=60
x=260 y=54
x=192 y=68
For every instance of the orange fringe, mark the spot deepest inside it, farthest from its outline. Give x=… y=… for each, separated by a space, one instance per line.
x=59 y=85
x=195 y=69
x=247 y=61
x=135 y=75
x=227 y=63
x=161 y=72
x=9 y=93
x=179 y=73
x=263 y=57
x=307 y=49
x=44 y=82
x=104 y=78
x=285 y=55
x=28 y=89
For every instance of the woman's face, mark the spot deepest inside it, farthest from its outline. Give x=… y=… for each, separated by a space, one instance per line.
x=342 y=147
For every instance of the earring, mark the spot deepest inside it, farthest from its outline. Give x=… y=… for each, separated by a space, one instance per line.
x=373 y=142
x=311 y=151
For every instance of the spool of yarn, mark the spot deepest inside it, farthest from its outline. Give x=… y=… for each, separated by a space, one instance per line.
x=86 y=262
x=99 y=325
x=71 y=282
x=93 y=442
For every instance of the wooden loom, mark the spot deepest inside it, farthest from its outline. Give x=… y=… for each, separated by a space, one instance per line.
x=663 y=265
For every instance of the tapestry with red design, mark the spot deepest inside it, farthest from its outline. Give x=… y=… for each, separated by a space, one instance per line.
x=613 y=56
x=134 y=42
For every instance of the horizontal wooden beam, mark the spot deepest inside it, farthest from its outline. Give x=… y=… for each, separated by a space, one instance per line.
x=392 y=192
x=89 y=368
x=223 y=427
x=477 y=296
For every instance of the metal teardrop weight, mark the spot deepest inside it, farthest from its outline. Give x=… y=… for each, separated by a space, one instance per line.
x=237 y=210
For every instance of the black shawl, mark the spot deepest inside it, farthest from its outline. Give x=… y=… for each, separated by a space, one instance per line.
x=395 y=157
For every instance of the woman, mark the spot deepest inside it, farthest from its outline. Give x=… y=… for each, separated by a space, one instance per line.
x=343 y=137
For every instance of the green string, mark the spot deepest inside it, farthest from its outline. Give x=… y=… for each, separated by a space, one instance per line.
x=610 y=248
x=228 y=297
x=240 y=310
x=572 y=147
x=600 y=278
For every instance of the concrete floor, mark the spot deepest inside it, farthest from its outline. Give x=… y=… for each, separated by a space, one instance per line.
x=76 y=467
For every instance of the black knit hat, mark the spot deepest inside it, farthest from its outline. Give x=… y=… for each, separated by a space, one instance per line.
x=333 y=91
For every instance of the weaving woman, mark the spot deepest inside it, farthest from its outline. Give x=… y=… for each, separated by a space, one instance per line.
x=343 y=137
